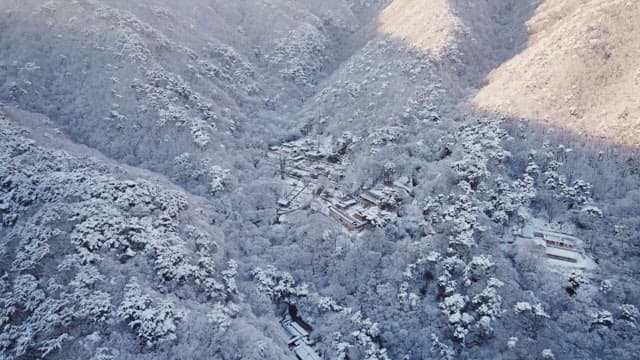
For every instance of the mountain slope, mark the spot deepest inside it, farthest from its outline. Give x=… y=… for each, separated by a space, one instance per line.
x=429 y=26
x=191 y=79
x=579 y=70
x=93 y=249
x=142 y=147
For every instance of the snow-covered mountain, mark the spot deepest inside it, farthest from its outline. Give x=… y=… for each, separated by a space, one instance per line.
x=404 y=179
x=578 y=71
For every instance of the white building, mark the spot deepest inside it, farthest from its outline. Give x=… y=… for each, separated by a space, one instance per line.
x=560 y=248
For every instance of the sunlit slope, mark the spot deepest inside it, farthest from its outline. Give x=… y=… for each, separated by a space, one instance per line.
x=580 y=70
x=428 y=25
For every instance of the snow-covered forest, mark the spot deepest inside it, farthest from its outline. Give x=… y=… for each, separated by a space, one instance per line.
x=308 y=179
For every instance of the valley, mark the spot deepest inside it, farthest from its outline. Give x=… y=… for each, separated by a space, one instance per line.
x=335 y=179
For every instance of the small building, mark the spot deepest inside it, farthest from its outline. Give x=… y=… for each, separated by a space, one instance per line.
x=561 y=254
x=345 y=204
x=298 y=158
x=294 y=330
x=321 y=167
x=284 y=203
x=299 y=173
x=315 y=155
x=299 y=341
x=404 y=189
x=370 y=199
x=557 y=245
x=556 y=239
x=293 y=195
x=563 y=249
x=360 y=216
x=305 y=352
x=347 y=220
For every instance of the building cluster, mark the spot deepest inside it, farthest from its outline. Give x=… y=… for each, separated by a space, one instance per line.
x=312 y=170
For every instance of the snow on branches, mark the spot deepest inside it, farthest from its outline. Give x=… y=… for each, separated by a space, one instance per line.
x=152 y=322
x=278 y=285
x=481 y=143
x=300 y=56
x=69 y=215
x=524 y=307
x=219 y=176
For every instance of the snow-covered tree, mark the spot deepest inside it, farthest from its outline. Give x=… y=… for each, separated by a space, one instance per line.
x=153 y=322
x=278 y=285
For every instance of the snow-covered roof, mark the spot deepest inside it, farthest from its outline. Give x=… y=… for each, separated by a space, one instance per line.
x=562 y=249
x=346 y=217
x=299 y=340
x=561 y=254
x=305 y=352
x=283 y=202
x=368 y=196
x=557 y=237
x=346 y=203
x=376 y=192
x=300 y=172
x=403 y=187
